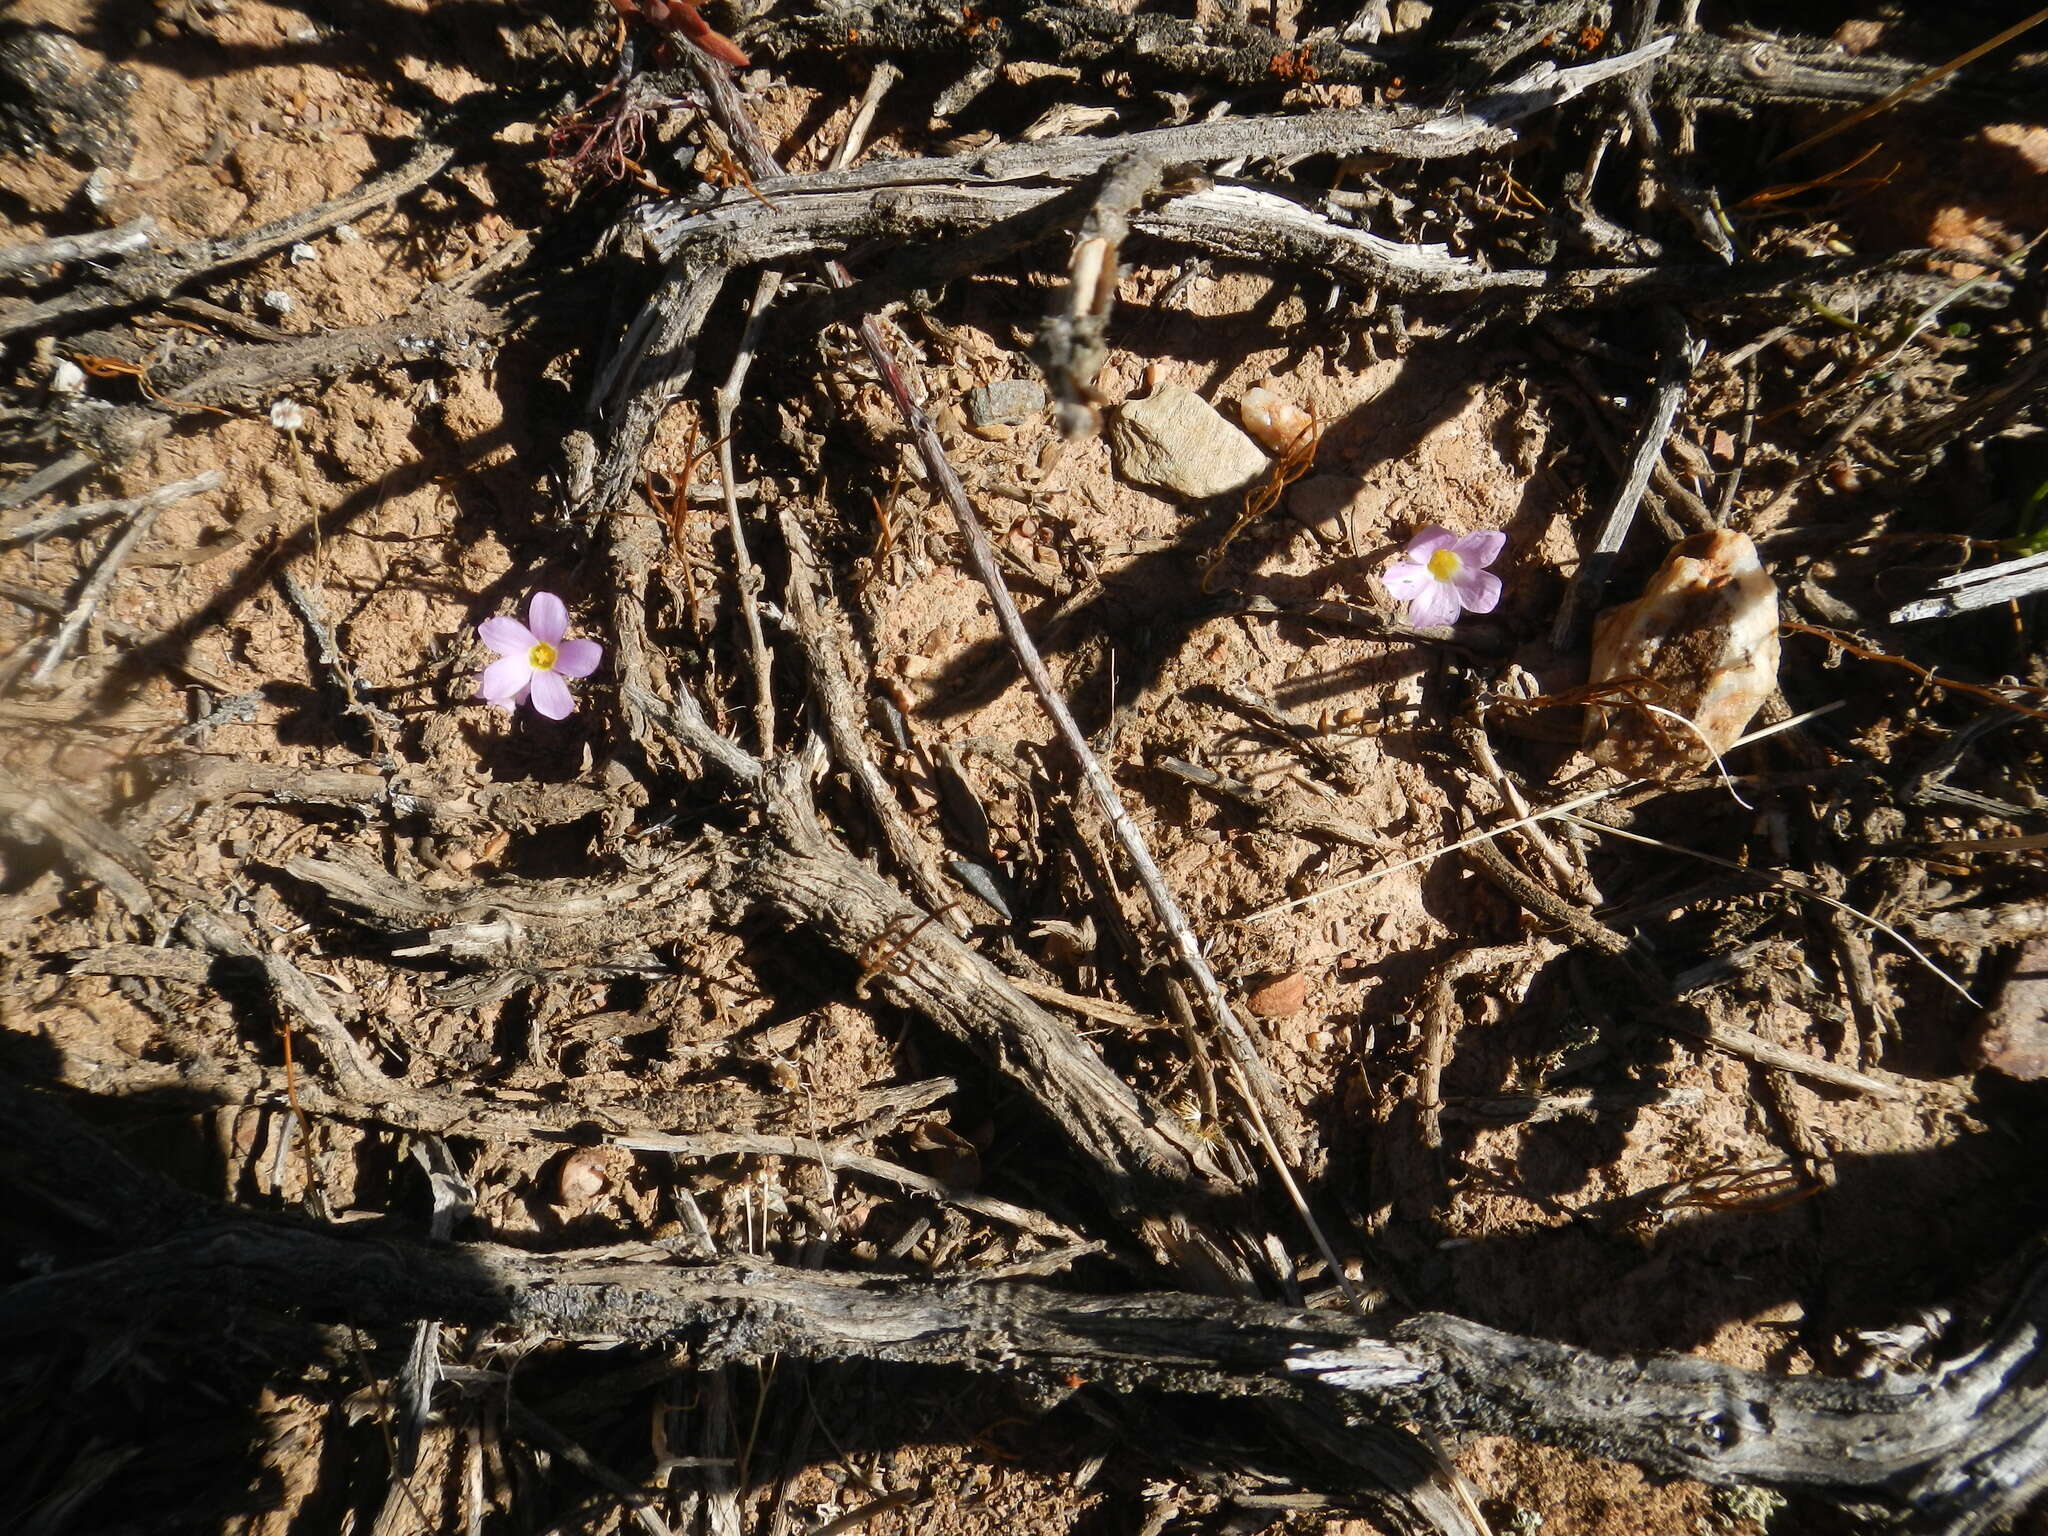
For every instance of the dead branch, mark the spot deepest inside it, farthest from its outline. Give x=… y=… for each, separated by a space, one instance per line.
x=341 y=673
x=1954 y=1448
x=191 y=782
x=827 y=650
x=94 y=245
x=746 y=576
x=1138 y=1158
x=92 y=847
x=1072 y=340
x=147 y=279
x=536 y=925
x=30 y=529
x=1681 y=355
x=96 y=586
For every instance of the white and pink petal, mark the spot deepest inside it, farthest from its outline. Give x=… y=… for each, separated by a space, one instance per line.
x=508 y=637
x=1437 y=607
x=1407 y=580
x=503 y=679
x=578 y=658
x=548 y=618
x=551 y=696
x=1478 y=591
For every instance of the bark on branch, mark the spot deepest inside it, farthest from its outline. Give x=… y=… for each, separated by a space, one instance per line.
x=1952 y=1448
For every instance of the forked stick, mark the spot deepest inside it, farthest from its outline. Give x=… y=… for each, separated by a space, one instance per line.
x=1255 y=1084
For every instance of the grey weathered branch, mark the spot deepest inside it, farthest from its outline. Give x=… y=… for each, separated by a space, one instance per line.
x=146 y=279
x=1953 y=1448
x=93 y=245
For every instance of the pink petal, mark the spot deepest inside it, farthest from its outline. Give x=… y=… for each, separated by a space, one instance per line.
x=1479 y=591
x=578 y=658
x=508 y=637
x=547 y=618
x=1426 y=543
x=503 y=679
x=1407 y=580
x=1437 y=607
x=1480 y=549
x=551 y=696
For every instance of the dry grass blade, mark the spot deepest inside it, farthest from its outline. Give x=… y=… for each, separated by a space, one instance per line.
x=1915 y=86
x=1785 y=882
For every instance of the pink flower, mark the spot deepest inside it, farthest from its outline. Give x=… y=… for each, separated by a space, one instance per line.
x=1440 y=575
x=534 y=658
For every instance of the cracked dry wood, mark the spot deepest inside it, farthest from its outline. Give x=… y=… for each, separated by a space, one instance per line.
x=1954 y=1448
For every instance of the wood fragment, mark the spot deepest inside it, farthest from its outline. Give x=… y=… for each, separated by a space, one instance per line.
x=1681 y=356
x=827 y=649
x=747 y=577
x=92 y=847
x=1986 y=587
x=148 y=279
x=1072 y=344
x=30 y=529
x=95 y=589
x=93 y=245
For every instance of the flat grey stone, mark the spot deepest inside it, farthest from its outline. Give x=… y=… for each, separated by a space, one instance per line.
x=1005 y=403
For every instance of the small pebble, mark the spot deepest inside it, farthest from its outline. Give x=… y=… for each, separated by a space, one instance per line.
x=280 y=301
x=301 y=253
x=1179 y=442
x=1322 y=504
x=2014 y=1039
x=1277 y=422
x=584 y=1176
x=348 y=234
x=67 y=378
x=1005 y=403
x=1279 y=998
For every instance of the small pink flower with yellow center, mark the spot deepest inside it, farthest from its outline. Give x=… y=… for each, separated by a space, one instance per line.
x=533 y=658
x=1442 y=574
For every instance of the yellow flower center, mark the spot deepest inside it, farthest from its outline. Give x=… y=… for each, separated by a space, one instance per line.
x=542 y=657
x=1444 y=565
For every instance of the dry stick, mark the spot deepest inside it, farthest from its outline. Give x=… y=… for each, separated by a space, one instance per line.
x=90 y=846
x=1681 y=356
x=1577 y=802
x=1254 y=1081
x=358 y=1075
x=95 y=590
x=1953 y=1446
x=31 y=529
x=726 y=401
x=824 y=648
x=1785 y=883
x=158 y=277
x=833 y=1158
x=1986 y=587
x=1589 y=930
x=132 y=236
x=1916 y=85
x=880 y=83
x=383 y=725
x=47 y=478
x=1819 y=457
x=1071 y=339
